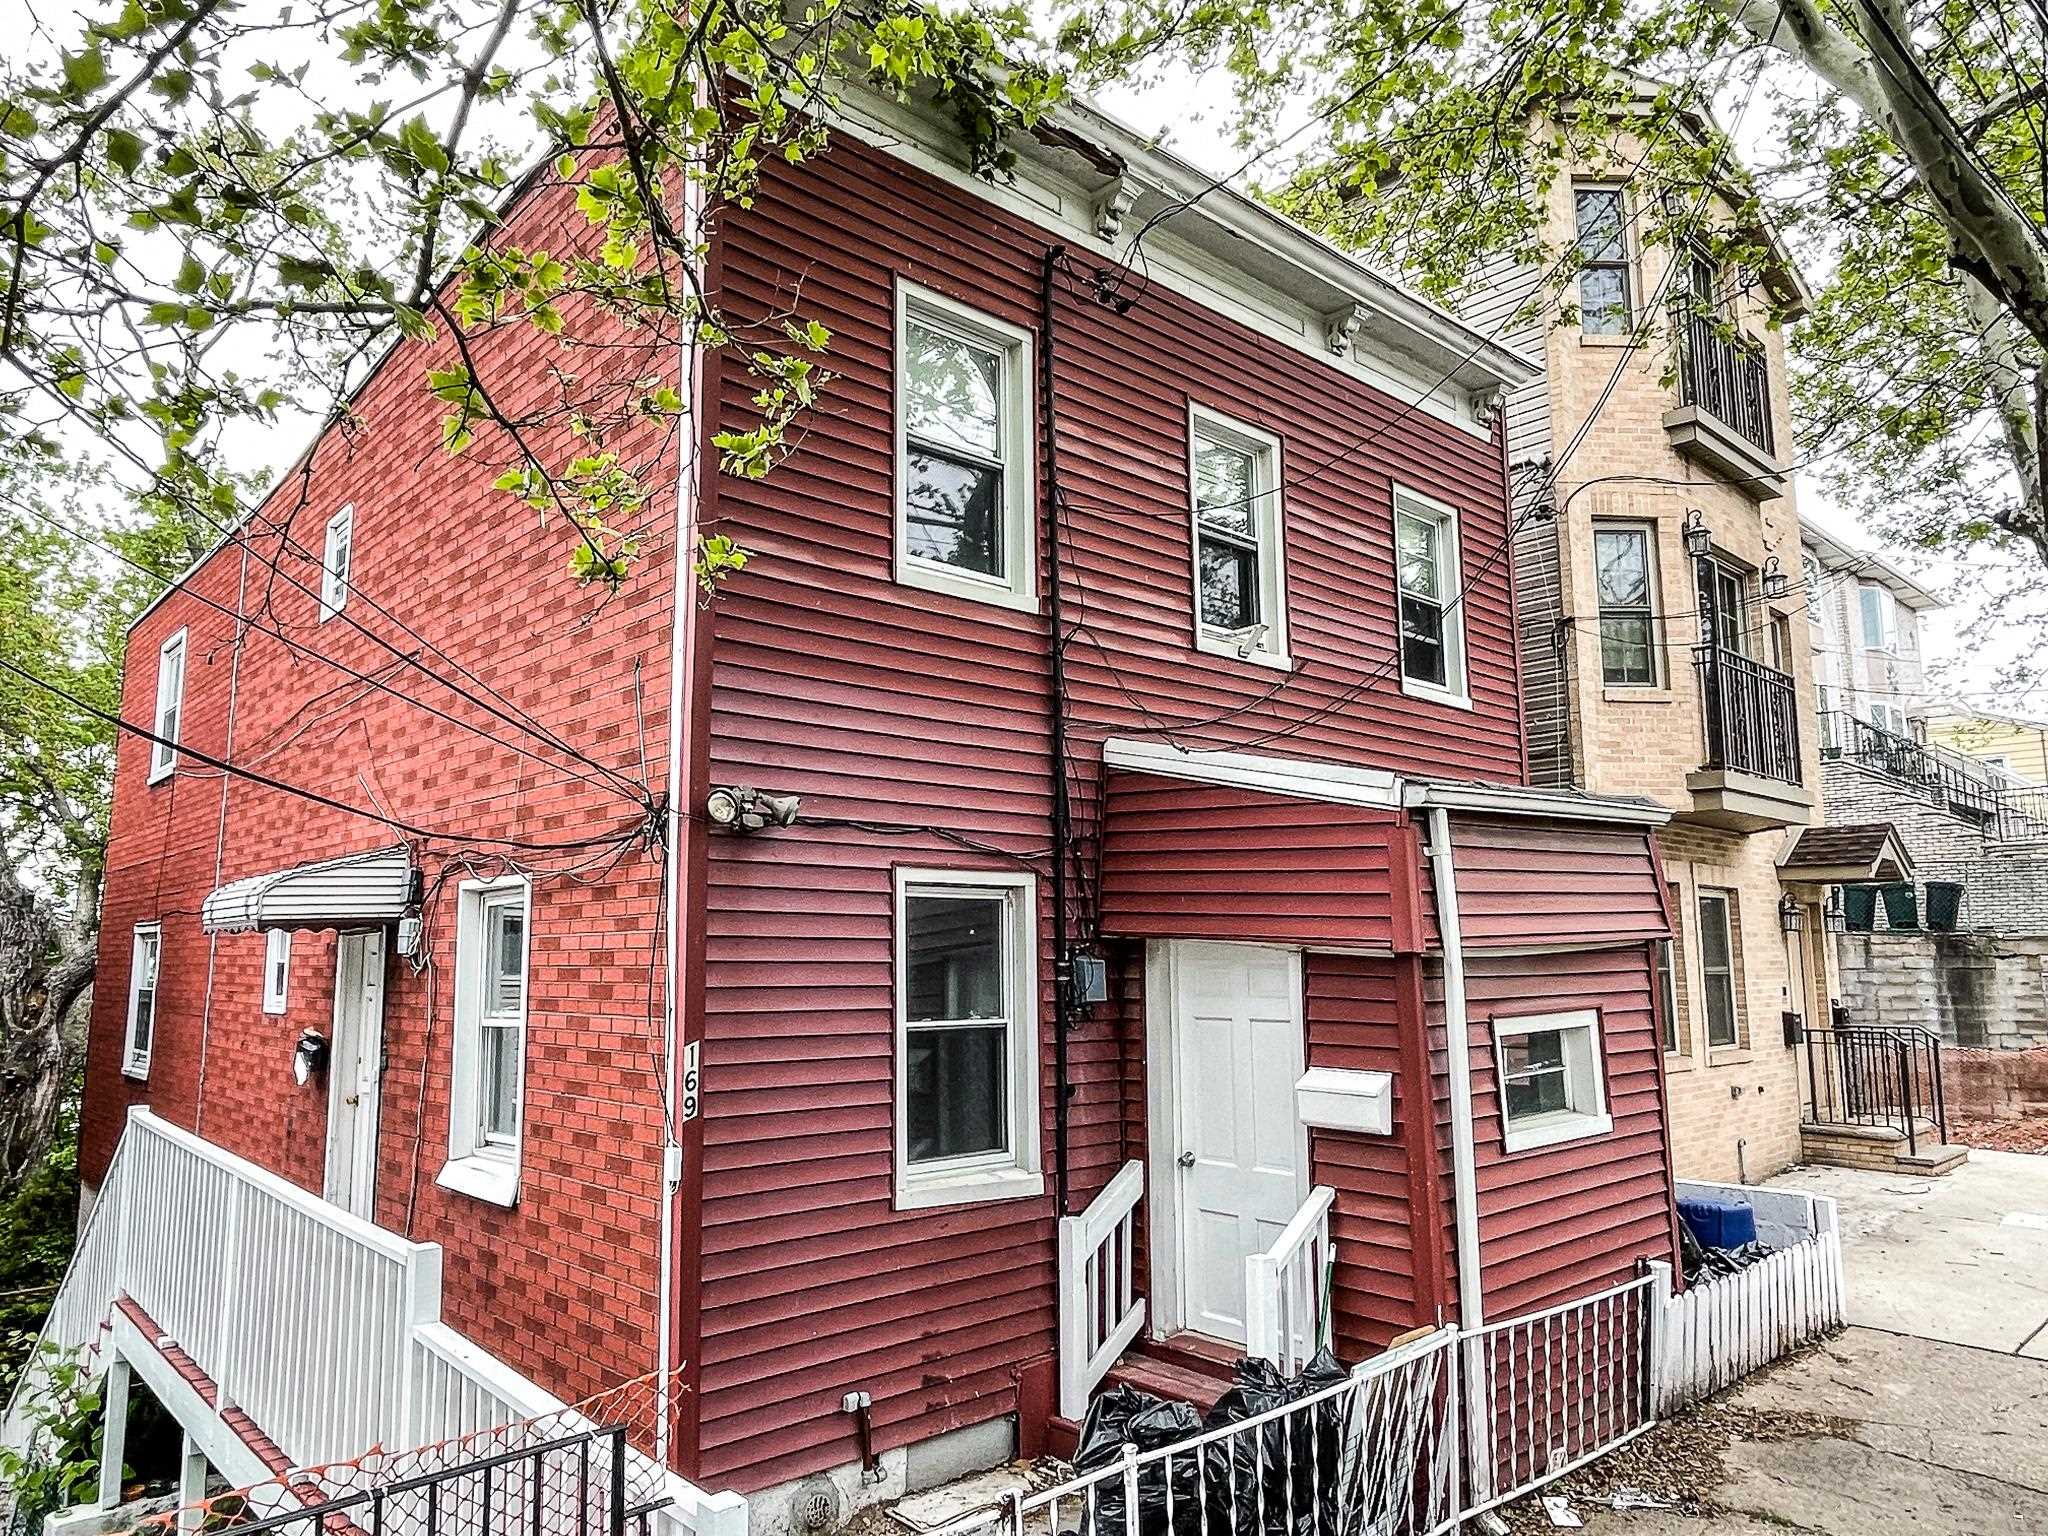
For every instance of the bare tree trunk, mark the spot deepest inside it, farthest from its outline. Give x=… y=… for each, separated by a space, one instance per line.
x=46 y=967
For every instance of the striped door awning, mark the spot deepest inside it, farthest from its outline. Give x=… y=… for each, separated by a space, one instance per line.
x=358 y=891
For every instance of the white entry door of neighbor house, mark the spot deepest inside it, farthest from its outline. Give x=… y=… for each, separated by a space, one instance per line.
x=355 y=1063
x=1237 y=1043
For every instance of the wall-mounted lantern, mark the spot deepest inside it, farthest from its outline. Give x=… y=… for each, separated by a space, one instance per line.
x=1775 y=582
x=1699 y=539
x=1791 y=914
x=1834 y=918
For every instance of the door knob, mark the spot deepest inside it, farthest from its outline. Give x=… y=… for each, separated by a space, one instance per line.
x=1187 y=1159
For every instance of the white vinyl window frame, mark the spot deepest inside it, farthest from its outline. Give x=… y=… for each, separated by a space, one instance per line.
x=277 y=969
x=480 y=1164
x=1266 y=644
x=1455 y=689
x=1621 y=262
x=337 y=562
x=169 y=716
x=145 y=961
x=1716 y=907
x=1585 y=1073
x=1017 y=439
x=1648 y=613
x=1876 y=626
x=1015 y=1172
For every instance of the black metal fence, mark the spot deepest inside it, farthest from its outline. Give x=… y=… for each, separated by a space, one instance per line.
x=1728 y=377
x=1752 y=714
x=1938 y=775
x=1878 y=1076
x=573 y=1485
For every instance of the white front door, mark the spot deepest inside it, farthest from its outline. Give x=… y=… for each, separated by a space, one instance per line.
x=1238 y=1044
x=354 y=1066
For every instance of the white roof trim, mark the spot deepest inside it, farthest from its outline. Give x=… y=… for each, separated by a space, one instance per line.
x=358 y=891
x=1549 y=805
x=1333 y=782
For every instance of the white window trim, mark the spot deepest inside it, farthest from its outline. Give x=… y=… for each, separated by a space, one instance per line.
x=1887 y=620
x=337 y=574
x=1654 y=573
x=1018 y=1175
x=1269 y=528
x=163 y=752
x=277 y=946
x=1019 y=589
x=1585 y=1069
x=484 y=1170
x=135 y=1063
x=1457 y=689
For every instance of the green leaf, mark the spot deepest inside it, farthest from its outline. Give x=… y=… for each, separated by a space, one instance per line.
x=124 y=150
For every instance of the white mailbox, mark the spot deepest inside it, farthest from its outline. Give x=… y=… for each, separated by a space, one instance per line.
x=1334 y=1099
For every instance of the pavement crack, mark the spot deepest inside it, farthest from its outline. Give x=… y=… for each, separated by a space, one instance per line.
x=1955 y=1471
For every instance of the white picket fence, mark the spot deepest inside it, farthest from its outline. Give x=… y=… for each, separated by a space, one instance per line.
x=324 y=1329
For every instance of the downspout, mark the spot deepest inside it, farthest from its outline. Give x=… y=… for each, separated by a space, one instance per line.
x=1056 y=714
x=220 y=843
x=1464 y=1173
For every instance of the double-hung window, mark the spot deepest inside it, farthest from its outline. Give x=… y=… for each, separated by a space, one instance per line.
x=335 y=562
x=1431 y=616
x=487 y=1106
x=1875 y=610
x=142 y=969
x=1625 y=571
x=1720 y=978
x=964 y=452
x=1240 y=585
x=1552 y=1086
x=170 y=707
x=277 y=968
x=1605 y=304
x=966 y=1038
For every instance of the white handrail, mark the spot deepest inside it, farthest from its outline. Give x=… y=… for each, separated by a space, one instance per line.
x=1286 y=1288
x=1100 y=1312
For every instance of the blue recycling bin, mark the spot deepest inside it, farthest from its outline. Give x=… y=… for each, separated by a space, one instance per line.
x=1718 y=1222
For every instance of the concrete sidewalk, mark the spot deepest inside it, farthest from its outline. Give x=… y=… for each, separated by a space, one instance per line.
x=1963 y=1258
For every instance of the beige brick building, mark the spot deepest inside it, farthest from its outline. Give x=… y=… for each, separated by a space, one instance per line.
x=1666 y=648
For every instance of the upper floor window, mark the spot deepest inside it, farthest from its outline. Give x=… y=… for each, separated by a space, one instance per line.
x=487 y=1104
x=142 y=969
x=1431 y=616
x=1240 y=586
x=334 y=564
x=1875 y=610
x=964 y=452
x=277 y=968
x=1625 y=569
x=1605 y=303
x=966 y=1037
x=170 y=707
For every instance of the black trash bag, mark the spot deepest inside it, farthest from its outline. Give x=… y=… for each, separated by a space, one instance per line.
x=1125 y=1416
x=1269 y=1481
x=1700 y=1262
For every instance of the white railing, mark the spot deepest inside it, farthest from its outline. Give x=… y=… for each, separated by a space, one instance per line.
x=324 y=1329
x=1374 y=1451
x=1721 y=1328
x=1100 y=1310
x=1287 y=1288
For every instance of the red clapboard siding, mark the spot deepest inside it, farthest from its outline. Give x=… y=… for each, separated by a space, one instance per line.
x=1523 y=882
x=1184 y=860
x=1564 y=1221
x=905 y=710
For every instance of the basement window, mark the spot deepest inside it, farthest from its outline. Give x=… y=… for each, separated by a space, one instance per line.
x=486 y=1109
x=170 y=707
x=1240 y=587
x=277 y=968
x=964 y=456
x=142 y=971
x=966 y=1038
x=1552 y=1088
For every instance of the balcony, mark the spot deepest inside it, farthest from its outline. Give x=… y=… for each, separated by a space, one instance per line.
x=1752 y=779
x=1724 y=415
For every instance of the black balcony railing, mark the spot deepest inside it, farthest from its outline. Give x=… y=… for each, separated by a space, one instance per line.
x=1729 y=378
x=1752 y=714
x=1942 y=777
x=1876 y=1075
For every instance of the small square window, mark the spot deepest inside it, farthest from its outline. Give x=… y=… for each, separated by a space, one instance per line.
x=1552 y=1081
x=966 y=1038
x=1239 y=553
x=336 y=563
x=143 y=961
x=1429 y=573
x=277 y=969
x=487 y=1107
x=965 y=459
x=170 y=707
